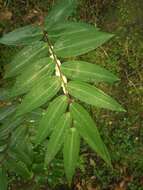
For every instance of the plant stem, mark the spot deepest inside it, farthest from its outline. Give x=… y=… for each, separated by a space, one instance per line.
x=57 y=64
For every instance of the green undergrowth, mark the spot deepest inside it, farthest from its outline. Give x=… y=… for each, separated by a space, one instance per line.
x=122 y=133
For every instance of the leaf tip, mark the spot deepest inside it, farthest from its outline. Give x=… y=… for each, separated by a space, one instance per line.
x=121 y=109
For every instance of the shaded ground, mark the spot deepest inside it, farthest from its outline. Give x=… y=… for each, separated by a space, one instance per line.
x=123 y=133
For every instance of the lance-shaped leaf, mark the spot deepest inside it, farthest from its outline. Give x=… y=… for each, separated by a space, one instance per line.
x=20 y=155
x=68 y=28
x=60 y=12
x=25 y=57
x=18 y=136
x=9 y=125
x=35 y=116
x=88 y=130
x=56 y=108
x=71 y=152
x=31 y=74
x=18 y=145
x=93 y=96
x=19 y=168
x=3 y=179
x=57 y=138
x=22 y=35
x=6 y=111
x=80 y=43
x=41 y=92
x=88 y=72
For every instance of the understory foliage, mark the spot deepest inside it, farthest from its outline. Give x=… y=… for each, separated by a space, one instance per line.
x=50 y=85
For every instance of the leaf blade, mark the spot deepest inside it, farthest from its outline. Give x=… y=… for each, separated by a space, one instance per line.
x=93 y=96
x=80 y=43
x=57 y=137
x=60 y=12
x=69 y=28
x=56 y=108
x=87 y=72
x=3 y=179
x=27 y=55
x=71 y=152
x=31 y=75
x=43 y=91
x=23 y=35
x=19 y=168
x=6 y=111
x=88 y=130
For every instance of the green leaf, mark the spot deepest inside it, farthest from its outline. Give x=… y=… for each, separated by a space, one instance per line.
x=88 y=130
x=23 y=35
x=41 y=92
x=71 y=152
x=93 y=96
x=18 y=145
x=9 y=125
x=56 y=108
x=6 y=111
x=3 y=179
x=19 y=168
x=20 y=153
x=80 y=43
x=4 y=93
x=57 y=137
x=87 y=72
x=30 y=76
x=68 y=28
x=60 y=12
x=25 y=57
x=35 y=116
x=18 y=136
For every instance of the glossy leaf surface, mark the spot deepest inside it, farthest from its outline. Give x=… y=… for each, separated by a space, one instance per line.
x=6 y=111
x=93 y=96
x=88 y=72
x=71 y=152
x=31 y=75
x=60 y=12
x=69 y=28
x=43 y=91
x=19 y=145
x=19 y=168
x=56 y=108
x=88 y=130
x=23 y=35
x=57 y=138
x=25 y=57
x=80 y=43
x=9 y=125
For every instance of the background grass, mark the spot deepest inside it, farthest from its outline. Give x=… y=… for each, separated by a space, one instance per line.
x=123 y=133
